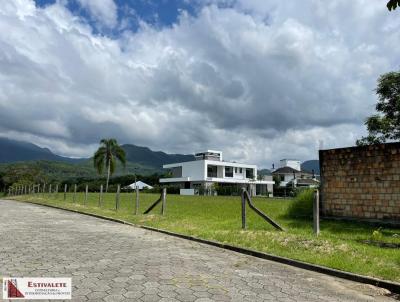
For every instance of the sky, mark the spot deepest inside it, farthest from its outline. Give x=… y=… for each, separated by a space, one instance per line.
x=260 y=80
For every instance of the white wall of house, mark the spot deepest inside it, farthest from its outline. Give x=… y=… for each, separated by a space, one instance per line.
x=193 y=169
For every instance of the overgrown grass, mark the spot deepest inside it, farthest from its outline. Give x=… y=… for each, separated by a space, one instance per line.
x=302 y=206
x=341 y=245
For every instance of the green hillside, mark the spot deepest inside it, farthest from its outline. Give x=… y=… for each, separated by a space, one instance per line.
x=26 y=162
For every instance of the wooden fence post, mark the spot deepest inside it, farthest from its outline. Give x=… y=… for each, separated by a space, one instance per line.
x=137 y=199
x=316 y=212
x=101 y=196
x=164 y=199
x=117 y=197
x=86 y=194
x=74 y=198
x=65 y=192
x=243 y=210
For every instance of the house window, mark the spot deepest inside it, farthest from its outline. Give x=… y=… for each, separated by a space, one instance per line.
x=249 y=173
x=282 y=177
x=228 y=171
x=241 y=170
x=235 y=169
x=176 y=172
x=211 y=171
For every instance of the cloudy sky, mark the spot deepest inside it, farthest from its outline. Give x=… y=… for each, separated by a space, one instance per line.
x=259 y=79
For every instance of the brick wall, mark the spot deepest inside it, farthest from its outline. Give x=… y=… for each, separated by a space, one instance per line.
x=361 y=182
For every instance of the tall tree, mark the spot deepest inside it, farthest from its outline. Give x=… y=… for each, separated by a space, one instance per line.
x=393 y=4
x=106 y=156
x=385 y=125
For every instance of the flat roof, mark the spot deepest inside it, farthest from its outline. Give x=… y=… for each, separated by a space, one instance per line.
x=213 y=162
x=209 y=151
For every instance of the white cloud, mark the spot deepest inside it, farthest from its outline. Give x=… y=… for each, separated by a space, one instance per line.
x=103 y=11
x=260 y=80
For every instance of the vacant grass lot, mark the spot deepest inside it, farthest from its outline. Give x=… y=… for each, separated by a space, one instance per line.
x=341 y=245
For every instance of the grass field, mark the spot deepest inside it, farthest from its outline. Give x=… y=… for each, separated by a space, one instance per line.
x=341 y=245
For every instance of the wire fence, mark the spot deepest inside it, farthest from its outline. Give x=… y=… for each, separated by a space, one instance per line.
x=118 y=201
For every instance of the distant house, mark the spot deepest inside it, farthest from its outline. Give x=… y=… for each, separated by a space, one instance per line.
x=290 y=174
x=209 y=168
x=140 y=185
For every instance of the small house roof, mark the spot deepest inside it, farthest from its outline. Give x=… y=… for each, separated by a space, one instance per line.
x=139 y=184
x=285 y=170
x=289 y=170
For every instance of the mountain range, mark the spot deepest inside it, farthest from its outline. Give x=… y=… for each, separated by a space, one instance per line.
x=141 y=160
x=310 y=165
x=16 y=151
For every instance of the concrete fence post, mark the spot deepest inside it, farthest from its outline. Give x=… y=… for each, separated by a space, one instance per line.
x=44 y=189
x=65 y=192
x=56 y=190
x=101 y=196
x=86 y=194
x=49 y=189
x=137 y=199
x=74 y=197
x=243 y=209
x=164 y=200
x=117 y=197
x=316 y=212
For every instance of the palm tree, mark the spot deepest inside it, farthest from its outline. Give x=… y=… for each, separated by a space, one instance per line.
x=105 y=156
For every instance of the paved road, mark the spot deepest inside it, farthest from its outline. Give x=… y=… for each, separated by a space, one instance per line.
x=113 y=262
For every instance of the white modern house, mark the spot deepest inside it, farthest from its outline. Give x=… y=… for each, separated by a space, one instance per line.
x=209 y=168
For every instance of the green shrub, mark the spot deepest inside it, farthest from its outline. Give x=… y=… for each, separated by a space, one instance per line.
x=302 y=205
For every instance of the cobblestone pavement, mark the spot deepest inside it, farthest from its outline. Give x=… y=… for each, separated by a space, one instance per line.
x=112 y=262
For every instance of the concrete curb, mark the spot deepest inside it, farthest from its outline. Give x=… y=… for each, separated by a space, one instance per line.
x=394 y=287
